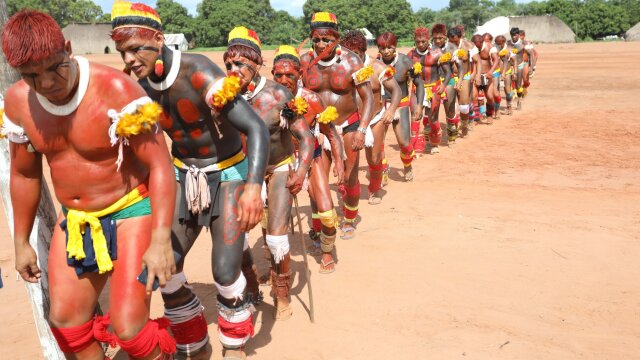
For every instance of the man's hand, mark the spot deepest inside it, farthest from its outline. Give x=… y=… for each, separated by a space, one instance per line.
x=358 y=141
x=27 y=263
x=249 y=207
x=294 y=182
x=442 y=88
x=158 y=259
x=387 y=117
x=416 y=116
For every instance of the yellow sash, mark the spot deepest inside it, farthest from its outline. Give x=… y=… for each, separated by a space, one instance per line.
x=76 y=224
x=213 y=167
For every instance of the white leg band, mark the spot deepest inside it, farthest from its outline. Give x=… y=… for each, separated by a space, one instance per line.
x=279 y=246
x=246 y=241
x=233 y=291
x=464 y=109
x=177 y=281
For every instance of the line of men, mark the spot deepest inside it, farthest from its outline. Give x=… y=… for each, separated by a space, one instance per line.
x=466 y=77
x=242 y=147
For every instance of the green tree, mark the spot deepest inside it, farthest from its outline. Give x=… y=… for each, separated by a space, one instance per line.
x=425 y=17
x=63 y=11
x=216 y=18
x=376 y=15
x=175 y=18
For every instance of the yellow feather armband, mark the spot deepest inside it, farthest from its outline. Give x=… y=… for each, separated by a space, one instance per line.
x=223 y=92
x=417 y=69
x=514 y=50
x=503 y=52
x=363 y=75
x=389 y=72
x=328 y=115
x=445 y=58
x=140 y=121
x=462 y=54
x=298 y=105
x=139 y=116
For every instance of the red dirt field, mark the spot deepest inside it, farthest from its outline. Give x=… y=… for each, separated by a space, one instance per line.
x=518 y=242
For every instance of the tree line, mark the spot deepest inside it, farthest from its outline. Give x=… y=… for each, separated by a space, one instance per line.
x=589 y=19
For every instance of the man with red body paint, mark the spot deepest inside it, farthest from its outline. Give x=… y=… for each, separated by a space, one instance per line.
x=435 y=78
x=332 y=73
x=286 y=72
x=409 y=125
x=382 y=81
x=285 y=174
x=219 y=188
x=114 y=219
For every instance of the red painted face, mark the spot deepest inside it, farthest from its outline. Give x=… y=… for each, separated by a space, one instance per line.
x=439 y=40
x=243 y=67
x=388 y=52
x=422 y=43
x=285 y=74
x=137 y=56
x=321 y=40
x=54 y=78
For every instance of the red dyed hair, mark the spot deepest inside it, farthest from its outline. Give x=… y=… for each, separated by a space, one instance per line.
x=244 y=51
x=354 y=40
x=386 y=39
x=438 y=29
x=128 y=32
x=421 y=31
x=31 y=35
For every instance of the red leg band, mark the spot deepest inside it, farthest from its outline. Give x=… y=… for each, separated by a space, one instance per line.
x=153 y=334
x=191 y=331
x=236 y=330
x=435 y=135
x=406 y=155
x=316 y=224
x=415 y=127
x=74 y=339
x=425 y=121
x=353 y=191
x=375 y=177
x=350 y=215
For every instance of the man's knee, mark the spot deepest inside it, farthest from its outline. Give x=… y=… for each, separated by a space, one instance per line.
x=225 y=277
x=126 y=327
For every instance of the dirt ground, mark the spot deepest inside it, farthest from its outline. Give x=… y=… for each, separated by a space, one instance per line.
x=518 y=242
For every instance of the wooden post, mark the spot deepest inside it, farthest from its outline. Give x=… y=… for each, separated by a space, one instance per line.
x=40 y=237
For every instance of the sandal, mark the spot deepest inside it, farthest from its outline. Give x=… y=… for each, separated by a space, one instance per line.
x=324 y=266
x=348 y=232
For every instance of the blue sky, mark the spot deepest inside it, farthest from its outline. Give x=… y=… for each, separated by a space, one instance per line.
x=293 y=7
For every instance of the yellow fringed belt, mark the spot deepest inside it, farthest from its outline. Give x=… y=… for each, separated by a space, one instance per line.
x=213 y=167
x=78 y=219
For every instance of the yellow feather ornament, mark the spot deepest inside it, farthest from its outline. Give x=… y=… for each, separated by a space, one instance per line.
x=363 y=74
x=445 y=58
x=298 y=105
x=139 y=122
x=228 y=92
x=328 y=115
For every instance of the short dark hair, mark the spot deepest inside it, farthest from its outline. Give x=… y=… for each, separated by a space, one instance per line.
x=454 y=31
x=514 y=31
